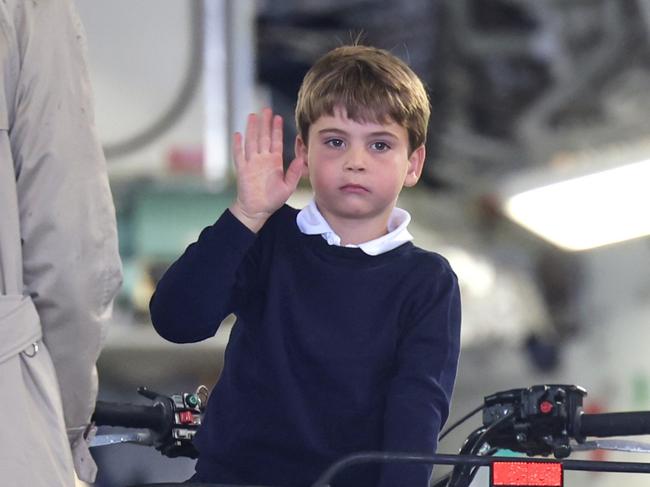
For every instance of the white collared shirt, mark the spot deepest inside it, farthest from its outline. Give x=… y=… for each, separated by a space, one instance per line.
x=311 y=222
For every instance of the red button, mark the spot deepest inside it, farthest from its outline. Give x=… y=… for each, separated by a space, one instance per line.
x=185 y=417
x=546 y=407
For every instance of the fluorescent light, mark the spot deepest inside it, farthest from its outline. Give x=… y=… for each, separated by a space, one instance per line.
x=588 y=211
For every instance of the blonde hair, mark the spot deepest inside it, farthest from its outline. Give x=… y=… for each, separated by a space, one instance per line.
x=371 y=84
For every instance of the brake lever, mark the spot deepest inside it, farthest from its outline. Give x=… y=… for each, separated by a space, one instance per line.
x=140 y=438
x=613 y=445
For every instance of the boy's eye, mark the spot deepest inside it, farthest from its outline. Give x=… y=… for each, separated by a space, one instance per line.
x=379 y=146
x=335 y=143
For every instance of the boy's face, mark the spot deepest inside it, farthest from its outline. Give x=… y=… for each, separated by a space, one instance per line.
x=357 y=170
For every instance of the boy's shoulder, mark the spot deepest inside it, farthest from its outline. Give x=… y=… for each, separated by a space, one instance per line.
x=428 y=264
x=426 y=256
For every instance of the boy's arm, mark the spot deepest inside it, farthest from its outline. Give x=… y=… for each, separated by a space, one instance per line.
x=198 y=290
x=201 y=288
x=420 y=392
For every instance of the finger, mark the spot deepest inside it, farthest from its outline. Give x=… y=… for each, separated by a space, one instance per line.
x=238 y=149
x=276 y=135
x=250 y=141
x=294 y=172
x=265 y=131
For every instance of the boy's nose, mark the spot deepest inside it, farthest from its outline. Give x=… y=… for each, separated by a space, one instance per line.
x=355 y=161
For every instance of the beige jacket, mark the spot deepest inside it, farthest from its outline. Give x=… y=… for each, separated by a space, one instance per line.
x=59 y=263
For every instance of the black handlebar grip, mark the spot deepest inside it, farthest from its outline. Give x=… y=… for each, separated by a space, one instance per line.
x=131 y=416
x=615 y=424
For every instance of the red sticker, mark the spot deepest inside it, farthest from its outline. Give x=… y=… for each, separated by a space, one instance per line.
x=526 y=474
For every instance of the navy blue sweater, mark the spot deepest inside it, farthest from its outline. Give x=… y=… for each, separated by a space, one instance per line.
x=333 y=352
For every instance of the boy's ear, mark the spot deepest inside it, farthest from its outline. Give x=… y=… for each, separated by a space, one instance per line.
x=416 y=163
x=300 y=149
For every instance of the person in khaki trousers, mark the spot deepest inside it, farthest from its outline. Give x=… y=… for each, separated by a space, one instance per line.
x=59 y=262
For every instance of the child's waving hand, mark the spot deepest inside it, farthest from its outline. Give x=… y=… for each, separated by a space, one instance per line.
x=262 y=185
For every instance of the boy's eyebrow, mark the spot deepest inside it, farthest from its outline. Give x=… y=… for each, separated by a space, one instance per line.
x=379 y=133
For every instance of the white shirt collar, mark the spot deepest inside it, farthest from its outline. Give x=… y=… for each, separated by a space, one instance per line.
x=311 y=222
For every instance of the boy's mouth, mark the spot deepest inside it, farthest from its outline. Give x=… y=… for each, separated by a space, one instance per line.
x=354 y=188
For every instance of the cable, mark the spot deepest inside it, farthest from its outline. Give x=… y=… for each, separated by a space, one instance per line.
x=461 y=477
x=460 y=421
x=474 y=471
x=444 y=480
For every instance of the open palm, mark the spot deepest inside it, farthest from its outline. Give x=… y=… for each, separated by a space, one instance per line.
x=262 y=184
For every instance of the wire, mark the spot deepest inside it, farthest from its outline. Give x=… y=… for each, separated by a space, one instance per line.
x=442 y=481
x=474 y=471
x=461 y=476
x=460 y=421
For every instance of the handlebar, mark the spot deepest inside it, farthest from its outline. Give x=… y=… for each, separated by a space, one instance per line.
x=541 y=420
x=613 y=424
x=131 y=416
x=173 y=420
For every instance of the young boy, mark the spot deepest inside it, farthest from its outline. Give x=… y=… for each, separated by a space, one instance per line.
x=347 y=335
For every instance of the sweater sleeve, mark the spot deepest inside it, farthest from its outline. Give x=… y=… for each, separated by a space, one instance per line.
x=199 y=289
x=419 y=395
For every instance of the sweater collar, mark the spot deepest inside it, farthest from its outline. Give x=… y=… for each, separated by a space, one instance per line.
x=311 y=222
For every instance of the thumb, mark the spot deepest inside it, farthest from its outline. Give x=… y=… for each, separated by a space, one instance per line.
x=294 y=172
